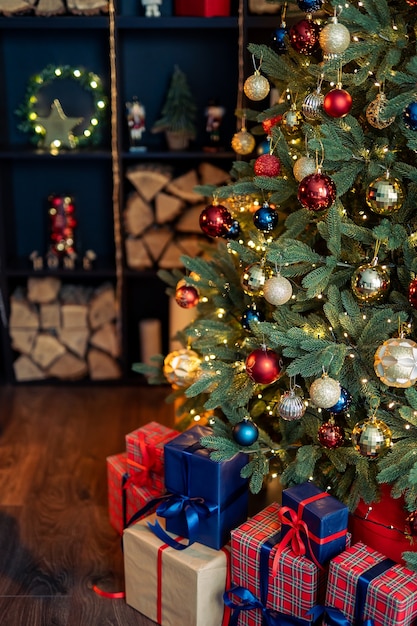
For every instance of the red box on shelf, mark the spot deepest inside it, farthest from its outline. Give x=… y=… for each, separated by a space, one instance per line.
x=202 y=8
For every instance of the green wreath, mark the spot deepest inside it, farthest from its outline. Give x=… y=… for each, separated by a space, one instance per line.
x=89 y=81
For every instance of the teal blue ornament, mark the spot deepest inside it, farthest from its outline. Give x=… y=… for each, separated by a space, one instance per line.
x=232 y=231
x=265 y=218
x=252 y=314
x=343 y=403
x=310 y=5
x=245 y=433
x=278 y=39
x=410 y=116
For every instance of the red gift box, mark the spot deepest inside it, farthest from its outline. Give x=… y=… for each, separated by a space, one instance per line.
x=364 y=584
x=145 y=454
x=298 y=584
x=124 y=497
x=202 y=8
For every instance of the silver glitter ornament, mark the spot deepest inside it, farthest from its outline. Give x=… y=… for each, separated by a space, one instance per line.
x=334 y=39
x=371 y=437
x=277 y=290
x=325 y=392
x=304 y=166
x=290 y=406
x=256 y=87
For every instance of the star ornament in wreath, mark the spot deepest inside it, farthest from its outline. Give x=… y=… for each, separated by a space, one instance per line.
x=64 y=108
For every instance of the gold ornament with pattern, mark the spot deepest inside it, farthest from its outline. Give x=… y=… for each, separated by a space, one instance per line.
x=182 y=367
x=256 y=87
x=243 y=142
x=375 y=113
x=395 y=362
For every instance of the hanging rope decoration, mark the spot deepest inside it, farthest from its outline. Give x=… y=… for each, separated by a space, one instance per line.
x=88 y=81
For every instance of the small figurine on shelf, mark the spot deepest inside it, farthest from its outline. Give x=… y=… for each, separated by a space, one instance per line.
x=152 y=8
x=214 y=116
x=37 y=260
x=136 y=123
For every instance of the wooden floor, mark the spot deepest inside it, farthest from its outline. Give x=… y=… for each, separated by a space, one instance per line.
x=55 y=537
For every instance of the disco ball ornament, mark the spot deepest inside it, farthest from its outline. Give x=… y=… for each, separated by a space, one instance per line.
x=303 y=167
x=337 y=102
x=308 y=6
x=256 y=87
x=187 y=296
x=215 y=220
x=395 y=362
x=253 y=279
x=267 y=165
x=325 y=392
x=277 y=290
x=371 y=437
x=412 y=293
x=317 y=192
x=410 y=116
x=243 y=142
x=265 y=218
x=263 y=366
x=375 y=112
x=331 y=436
x=245 y=433
x=291 y=121
x=370 y=282
x=290 y=407
x=313 y=105
x=278 y=39
x=343 y=403
x=334 y=39
x=304 y=36
x=252 y=314
x=182 y=367
x=385 y=195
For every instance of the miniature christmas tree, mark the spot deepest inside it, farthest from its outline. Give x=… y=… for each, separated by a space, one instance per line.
x=305 y=320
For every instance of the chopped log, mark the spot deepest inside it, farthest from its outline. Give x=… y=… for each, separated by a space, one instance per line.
x=171 y=257
x=190 y=246
x=102 y=307
x=46 y=350
x=137 y=216
x=167 y=207
x=75 y=294
x=22 y=314
x=75 y=339
x=50 y=315
x=189 y=221
x=105 y=338
x=87 y=7
x=148 y=182
x=183 y=187
x=74 y=316
x=68 y=367
x=23 y=339
x=25 y=369
x=13 y=7
x=102 y=366
x=212 y=175
x=50 y=7
x=137 y=257
x=43 y=290
x=156 y=241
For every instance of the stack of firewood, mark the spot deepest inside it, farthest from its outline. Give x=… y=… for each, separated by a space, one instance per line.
x=53 y=7
x=64 y=332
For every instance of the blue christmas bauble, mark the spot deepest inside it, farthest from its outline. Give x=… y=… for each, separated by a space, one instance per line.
x=232 y=231
x=410 y=116
x=343 y=403
x=251 y=315
x=278 y=39
x=245 y=433
x=309 y=5
x=265 y=218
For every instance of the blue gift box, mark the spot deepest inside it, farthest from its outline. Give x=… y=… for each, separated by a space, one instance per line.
x=319 y=519
x=207 y=499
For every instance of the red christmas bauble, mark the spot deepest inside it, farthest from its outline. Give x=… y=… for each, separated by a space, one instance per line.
x=304 y=36
x=215 y=220
x=412 y=3
x=331 y=436
x=263 y=366
x=187 y=296
x=337 y=103
x=267 y=165
x=317 y=192
x=412 y=293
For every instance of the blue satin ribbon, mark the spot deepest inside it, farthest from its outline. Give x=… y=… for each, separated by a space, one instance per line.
x=332 y=617
x=248 y=602
x=362 y=589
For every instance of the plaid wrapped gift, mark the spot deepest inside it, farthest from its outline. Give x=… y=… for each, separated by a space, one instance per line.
x=145 y=454
x=365 y=585
x=174 y=587
x=124 y=497
x=298 y=585
x=315 y=517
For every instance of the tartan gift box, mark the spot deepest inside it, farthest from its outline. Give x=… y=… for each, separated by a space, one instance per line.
x=124 y=497
x=295 y=587
x=320 y=518
x=364 y=584
x=174 y=587
x=206 y=499
x=145 y=454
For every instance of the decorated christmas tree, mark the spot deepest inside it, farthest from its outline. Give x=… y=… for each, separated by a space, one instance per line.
x=303 y=348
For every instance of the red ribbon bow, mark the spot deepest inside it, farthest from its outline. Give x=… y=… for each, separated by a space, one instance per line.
x=293 y=537
x=141 y=476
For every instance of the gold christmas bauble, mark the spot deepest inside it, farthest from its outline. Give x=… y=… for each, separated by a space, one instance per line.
x=243 y=142
x=375 y=112
x=370 y=283
x=291 y=121
x=277 y=290
x=303 y=167
x=371 y=437
x=385 y=195
x=325 y=392
x=253 y=279
x=182 y=367
x=334 y=39
x=395 y=362
x=256 y=87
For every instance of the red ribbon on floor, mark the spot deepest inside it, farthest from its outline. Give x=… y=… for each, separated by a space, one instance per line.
x=113 y=595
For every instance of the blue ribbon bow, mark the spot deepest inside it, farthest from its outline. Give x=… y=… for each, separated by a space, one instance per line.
x=333 y=617
x=248 y=602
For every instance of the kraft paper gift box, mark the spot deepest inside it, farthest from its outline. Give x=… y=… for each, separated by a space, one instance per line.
x=289 y=593
x=207 y=499
x=145 y=454
x=124 y=497
x=172 y=587
x=321 y=518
